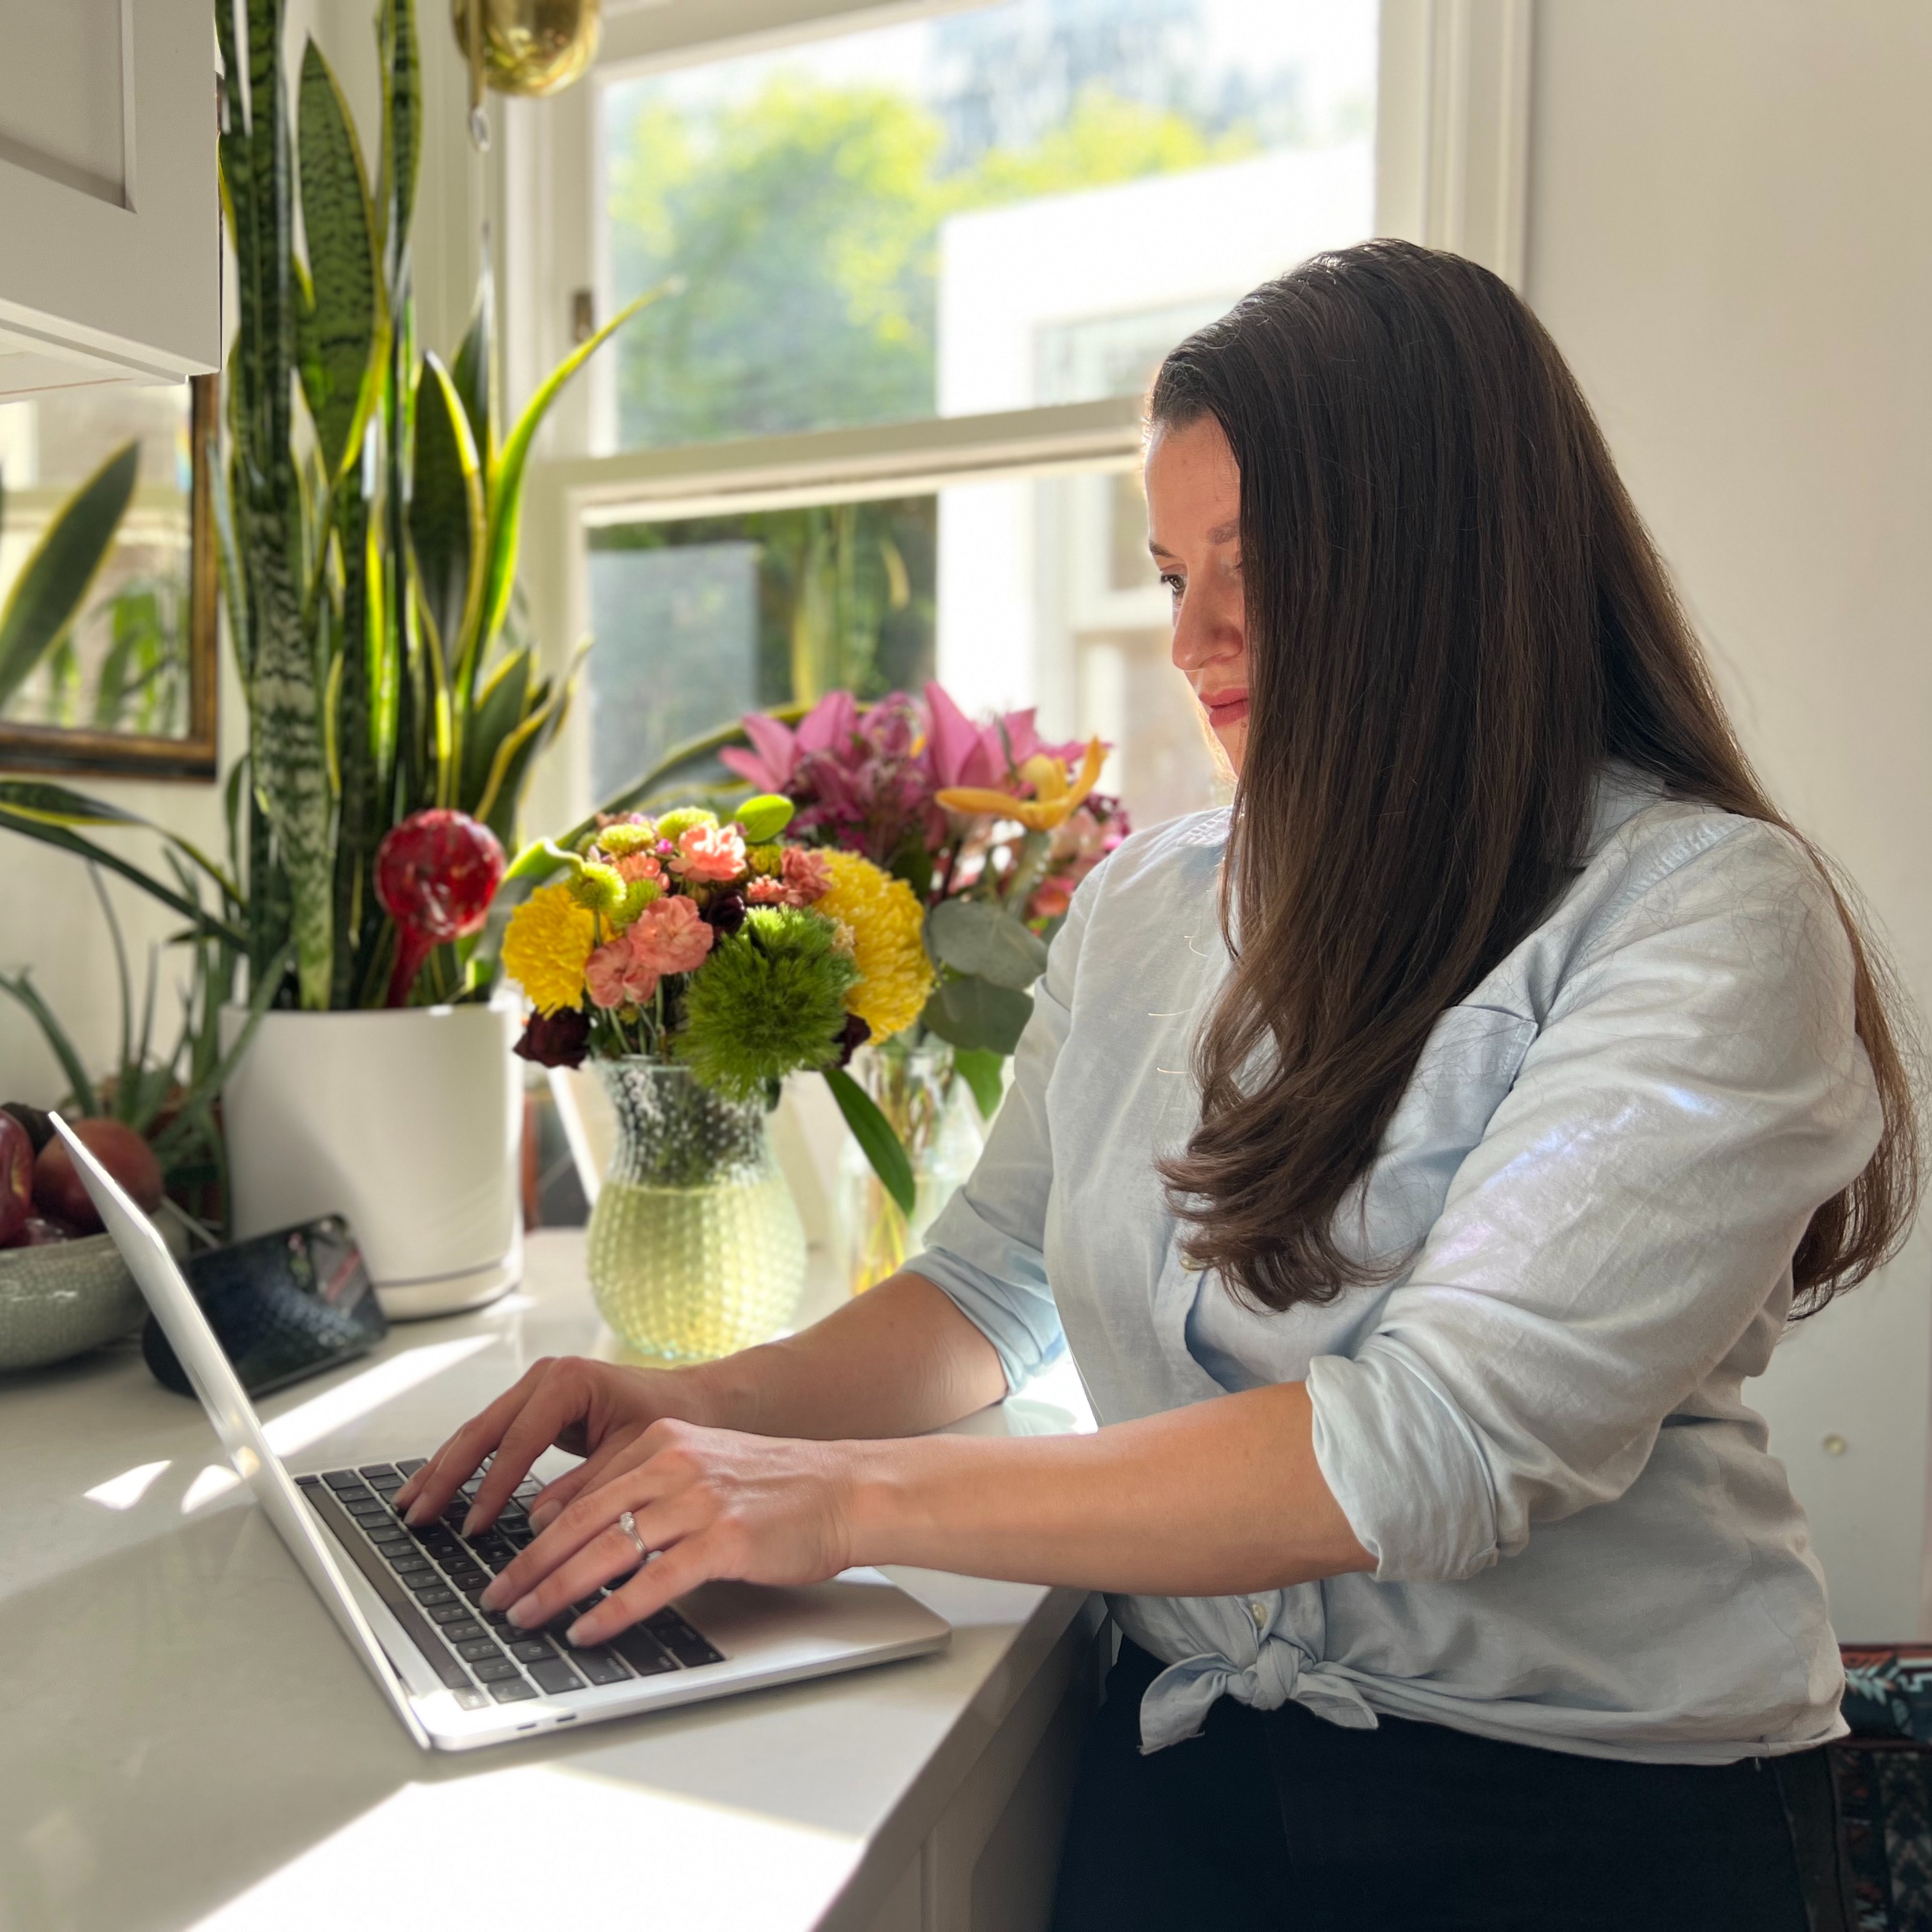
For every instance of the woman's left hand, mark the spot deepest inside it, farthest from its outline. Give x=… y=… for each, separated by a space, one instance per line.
x=714 y=1503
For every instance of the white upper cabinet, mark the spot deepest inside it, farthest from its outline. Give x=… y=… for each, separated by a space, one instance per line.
x=110 y=236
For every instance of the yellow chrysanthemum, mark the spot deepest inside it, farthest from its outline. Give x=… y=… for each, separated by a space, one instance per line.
x=549 y=938
x=886 y=918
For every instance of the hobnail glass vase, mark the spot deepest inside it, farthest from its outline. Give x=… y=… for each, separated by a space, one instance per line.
x=932 y=1110
x=696 y=1248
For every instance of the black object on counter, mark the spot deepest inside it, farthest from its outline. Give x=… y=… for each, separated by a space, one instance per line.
x=282 y=1306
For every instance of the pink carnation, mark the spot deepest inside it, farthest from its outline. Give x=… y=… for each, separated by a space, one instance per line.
x=635 y=866
x=615 y=978
x=710 y=855
x=766 y=892
x=669 y=935
x=804 y=876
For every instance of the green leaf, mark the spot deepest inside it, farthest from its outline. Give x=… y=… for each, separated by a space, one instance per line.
x=982 y=940
x=506 y=475
x=344 y=332
x=975 y=1013
x=473 y=371
x=876 y=1141
x=401 y=62
x=55 y=580
x=692 y=752
x=985 y=1073
x=42 y=803
x=23 y=989
x=445 y=518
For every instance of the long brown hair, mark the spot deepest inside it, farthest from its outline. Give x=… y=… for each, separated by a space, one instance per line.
x=1455 y=617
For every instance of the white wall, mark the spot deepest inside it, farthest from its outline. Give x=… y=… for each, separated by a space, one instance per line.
x=1728 y=238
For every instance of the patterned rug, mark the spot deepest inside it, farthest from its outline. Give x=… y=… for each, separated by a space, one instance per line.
x=1884 y=1813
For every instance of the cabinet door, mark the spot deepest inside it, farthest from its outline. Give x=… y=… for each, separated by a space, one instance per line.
x=110 y=239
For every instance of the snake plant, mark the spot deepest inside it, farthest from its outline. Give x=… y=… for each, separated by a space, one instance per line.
x=368 y=520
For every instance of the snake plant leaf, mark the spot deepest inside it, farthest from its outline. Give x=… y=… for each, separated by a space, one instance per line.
x=501 y=705
x=400 y=60
x=445 y=518
x=473 y=369
x=55 y=581
x=343 y=330
x=873 y=1132
x=506 y=475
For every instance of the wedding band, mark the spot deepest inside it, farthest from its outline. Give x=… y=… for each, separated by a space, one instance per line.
x=628 y=1523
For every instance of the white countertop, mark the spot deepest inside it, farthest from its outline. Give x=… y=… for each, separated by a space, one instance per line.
x=185 y=1740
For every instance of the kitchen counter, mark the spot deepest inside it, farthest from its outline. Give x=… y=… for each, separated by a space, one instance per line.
x=185 y=1740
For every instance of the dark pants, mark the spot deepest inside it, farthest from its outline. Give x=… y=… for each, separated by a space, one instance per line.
x=1281 y=1819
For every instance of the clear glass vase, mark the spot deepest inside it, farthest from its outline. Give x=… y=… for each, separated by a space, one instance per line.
x=695 y=1246
x=932 y=1110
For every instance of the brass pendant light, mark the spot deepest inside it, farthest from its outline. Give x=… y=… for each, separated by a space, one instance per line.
x=525 y=47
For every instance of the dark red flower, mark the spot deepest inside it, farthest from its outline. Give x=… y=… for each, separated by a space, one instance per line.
x=560 y=1038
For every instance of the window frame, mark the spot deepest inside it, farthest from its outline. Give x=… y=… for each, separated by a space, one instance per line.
x=1453 y=81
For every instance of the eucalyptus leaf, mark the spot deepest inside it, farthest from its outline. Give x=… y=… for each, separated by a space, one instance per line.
x=984 y=1072
x=977 y=1014
x=977 y=937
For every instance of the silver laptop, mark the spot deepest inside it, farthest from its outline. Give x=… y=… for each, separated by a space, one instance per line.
x=458 y=1676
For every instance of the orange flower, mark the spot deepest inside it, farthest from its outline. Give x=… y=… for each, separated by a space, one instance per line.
x=1055 y=798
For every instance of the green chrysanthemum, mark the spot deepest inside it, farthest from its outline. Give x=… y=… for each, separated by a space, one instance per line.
x=615 y=841
x=769 y=1001
x=598 y=888
x=673 y=825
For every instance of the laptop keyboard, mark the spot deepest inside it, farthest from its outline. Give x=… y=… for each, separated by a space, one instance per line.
x=432 y=1578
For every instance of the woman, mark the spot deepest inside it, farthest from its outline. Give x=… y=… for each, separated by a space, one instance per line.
x=1536 y=1074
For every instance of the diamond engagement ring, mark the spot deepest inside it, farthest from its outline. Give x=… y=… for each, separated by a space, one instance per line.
x=628 y=1523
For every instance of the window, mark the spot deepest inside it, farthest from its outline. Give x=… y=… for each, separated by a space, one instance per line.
x=890 y=429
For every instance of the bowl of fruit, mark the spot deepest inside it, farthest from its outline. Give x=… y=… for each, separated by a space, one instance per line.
x=64 y=1288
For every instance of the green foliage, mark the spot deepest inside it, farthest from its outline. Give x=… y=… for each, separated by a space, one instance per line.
x=770 y=999
x=52 y=584
x=984 y=1072
x=807 y=216
x=881 y=1146
x=168 y=1097
x=978 y=1014
x=981 y=937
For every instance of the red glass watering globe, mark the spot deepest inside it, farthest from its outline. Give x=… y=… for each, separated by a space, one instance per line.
x=435 y=874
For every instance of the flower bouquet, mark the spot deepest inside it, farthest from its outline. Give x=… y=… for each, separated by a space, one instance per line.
x=989 y=828
x=698 y=963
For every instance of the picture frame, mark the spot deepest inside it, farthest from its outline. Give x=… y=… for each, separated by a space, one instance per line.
x=87 y=750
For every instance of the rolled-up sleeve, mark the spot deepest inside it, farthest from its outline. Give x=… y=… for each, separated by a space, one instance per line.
x=986 y=1249
x=1695 y=1093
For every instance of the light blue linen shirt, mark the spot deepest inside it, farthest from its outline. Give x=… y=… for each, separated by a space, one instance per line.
x=1601 y=1167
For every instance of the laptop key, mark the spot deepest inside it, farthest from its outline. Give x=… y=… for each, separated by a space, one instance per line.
x=450 y=1613
x=412 y=1464
x=600 y=1666
x=479 y=1650
x=642 y=1652
x=511 y=1690
x=555 y=1677
x=434 y=1596
x=464 y=1632
x=532 y=1650
x=501 y=1672
x=370 y=1472
x=690 y=1648
x=342 y=1479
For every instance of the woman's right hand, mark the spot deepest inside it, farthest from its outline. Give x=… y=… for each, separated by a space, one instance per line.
x=592 y=1409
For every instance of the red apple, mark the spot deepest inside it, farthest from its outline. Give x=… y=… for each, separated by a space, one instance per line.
x=37 y=1231
x=16 y=1177
x=58 y=1191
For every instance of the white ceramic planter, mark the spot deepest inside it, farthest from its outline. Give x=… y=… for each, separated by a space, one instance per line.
x=407 y=1121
